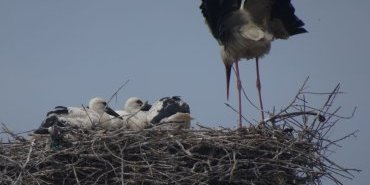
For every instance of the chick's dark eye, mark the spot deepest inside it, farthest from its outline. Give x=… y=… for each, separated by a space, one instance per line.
x=139 y=102
x=104 y=103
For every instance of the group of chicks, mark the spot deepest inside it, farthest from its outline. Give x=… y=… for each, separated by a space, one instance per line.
x=166 y=113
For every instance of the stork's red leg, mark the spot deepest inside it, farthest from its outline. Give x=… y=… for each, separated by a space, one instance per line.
x=239 y=86
x=258 y=84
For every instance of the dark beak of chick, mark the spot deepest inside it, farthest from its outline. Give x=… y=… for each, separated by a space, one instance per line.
x=145 y=107
x=111 y=112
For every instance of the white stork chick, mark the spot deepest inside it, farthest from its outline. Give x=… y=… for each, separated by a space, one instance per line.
x=133 y=115
x=95 y=115
x=136 y=114
x=170 y=113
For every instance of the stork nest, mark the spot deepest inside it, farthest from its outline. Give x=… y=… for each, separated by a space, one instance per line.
x=281 y=150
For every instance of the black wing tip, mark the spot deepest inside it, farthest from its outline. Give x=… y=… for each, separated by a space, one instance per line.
x=294 y=25
x=285 y=11
x=41 y=131
x=298 y=31
x=60 y=107
x=58 y=110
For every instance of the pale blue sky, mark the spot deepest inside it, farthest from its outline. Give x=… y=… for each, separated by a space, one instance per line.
x=66 y=52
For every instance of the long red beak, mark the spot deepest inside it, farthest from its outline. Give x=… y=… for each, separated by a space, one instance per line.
x=228 y=73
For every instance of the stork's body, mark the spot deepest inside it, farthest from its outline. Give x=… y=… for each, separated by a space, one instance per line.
x=245 y=29
x=170 y=113
x=133 y=115
x=97 y=115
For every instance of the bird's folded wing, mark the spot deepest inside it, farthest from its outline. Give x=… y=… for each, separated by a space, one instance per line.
x=214 y=11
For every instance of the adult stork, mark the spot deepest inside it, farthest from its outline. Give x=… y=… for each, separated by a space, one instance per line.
x=245 y=28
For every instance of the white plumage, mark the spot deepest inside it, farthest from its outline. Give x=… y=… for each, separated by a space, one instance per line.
x=96 y=115
x=166 y=113
x=177 y=121
x=133 y=115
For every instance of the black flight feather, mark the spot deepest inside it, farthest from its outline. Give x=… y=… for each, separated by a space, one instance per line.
x=284 y=11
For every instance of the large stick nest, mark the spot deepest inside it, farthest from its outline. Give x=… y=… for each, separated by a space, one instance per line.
x=282 y=150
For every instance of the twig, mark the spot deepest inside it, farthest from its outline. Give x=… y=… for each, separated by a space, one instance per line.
x=232 y=108
x=75 y=174
x=116 y=92
x=92 y=123
x=6 y=130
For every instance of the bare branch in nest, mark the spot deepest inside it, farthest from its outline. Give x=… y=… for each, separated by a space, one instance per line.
x=9 y=132
x=115 y=94
x=87 y=114
x=233 y=109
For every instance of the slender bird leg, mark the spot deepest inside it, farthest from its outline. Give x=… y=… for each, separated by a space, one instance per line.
x=239 y=86
x=258 y=84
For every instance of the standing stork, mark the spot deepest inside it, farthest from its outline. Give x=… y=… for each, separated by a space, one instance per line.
x=245 y=29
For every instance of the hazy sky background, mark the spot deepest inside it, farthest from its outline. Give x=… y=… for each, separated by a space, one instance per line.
x=66 y=52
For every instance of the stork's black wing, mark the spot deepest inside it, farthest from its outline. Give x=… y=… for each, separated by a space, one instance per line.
x=214 y=11
x=58 y=110
x=170 y=106
x=260 y=10
x=52 y=119
x=284 y=11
